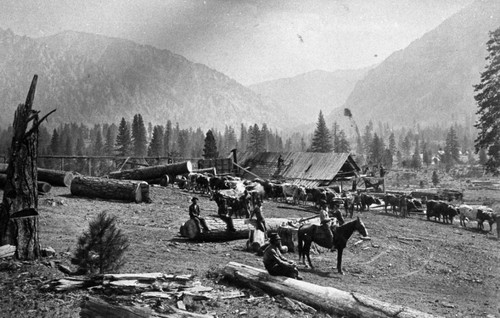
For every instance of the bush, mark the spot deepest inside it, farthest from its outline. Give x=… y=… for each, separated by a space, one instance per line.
x=101 y=248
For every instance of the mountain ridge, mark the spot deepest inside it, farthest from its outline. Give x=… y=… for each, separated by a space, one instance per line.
x=96 y=79
x=430 y=81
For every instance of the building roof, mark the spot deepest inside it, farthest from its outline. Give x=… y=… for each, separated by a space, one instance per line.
x=303 y=168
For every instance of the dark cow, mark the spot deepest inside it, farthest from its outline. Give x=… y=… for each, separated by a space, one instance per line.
x=316 y=195
x=438 y=209
x=391 y=200
x=367 y=200
x=218 y=183
x=485 y=215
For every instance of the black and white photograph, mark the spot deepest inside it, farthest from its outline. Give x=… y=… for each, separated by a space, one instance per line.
x=249 y=158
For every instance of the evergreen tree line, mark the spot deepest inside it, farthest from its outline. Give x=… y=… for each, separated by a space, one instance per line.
x=409 y=147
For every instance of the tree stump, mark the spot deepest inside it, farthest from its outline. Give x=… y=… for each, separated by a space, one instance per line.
x=18 y=211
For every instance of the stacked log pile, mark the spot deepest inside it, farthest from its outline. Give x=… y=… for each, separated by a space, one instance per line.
x=124 y=190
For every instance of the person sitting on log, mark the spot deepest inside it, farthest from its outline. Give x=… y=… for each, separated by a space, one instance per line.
x=275 y=263
x=194 y=213
x=224 y=214
x=261 y=222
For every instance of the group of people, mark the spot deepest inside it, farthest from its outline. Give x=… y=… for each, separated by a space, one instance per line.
x=274 y=262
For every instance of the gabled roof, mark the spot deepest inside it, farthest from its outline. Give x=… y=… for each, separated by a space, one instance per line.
x=303 y=168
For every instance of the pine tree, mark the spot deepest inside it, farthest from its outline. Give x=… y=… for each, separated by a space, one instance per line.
x=156 y=145
x=416 y=162
x=376 y=151
x=254 y=143
x=392 y=144
x=452 y=148
x=426 y=156
x=210 y=148
x=488 y=100
x=167 y=138
x=123 y=140
x=343 y=145
x=322 y=140
x=139 y=137
x=98 y=144
x=55 y=143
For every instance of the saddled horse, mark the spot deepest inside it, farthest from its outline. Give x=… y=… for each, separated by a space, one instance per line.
x=309 y=233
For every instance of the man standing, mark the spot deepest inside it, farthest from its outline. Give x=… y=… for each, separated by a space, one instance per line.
x=194 y=213
x=275 y=263
x=224 y=215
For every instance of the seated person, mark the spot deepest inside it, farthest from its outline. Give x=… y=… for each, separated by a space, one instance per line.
x=275 y=263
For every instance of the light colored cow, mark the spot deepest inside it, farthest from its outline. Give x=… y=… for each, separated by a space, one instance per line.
x=476 y=213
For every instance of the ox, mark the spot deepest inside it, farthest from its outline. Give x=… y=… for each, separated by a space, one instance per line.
x=299 y=194
x=438 y=209
x=481 y=214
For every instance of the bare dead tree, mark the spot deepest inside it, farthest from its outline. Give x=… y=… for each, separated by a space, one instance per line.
x=19 y=207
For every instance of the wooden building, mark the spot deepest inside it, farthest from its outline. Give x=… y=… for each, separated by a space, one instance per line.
x=309 y=169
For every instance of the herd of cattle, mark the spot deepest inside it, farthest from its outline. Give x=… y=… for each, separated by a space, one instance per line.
x=241 y=195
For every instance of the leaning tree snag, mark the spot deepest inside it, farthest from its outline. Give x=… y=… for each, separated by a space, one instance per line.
x=328 y=299
x=154 y=172
x=19 y=208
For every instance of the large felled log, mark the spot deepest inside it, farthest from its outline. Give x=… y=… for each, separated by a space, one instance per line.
x=58 y=178
x=125 y=190
x=154 y=172
x=43 y=187
x=328 y=299
x=218 y=228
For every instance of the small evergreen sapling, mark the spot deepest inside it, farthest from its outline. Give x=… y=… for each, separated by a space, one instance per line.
x=101 y=248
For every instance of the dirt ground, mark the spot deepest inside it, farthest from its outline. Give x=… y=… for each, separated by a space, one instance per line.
x=449 y=270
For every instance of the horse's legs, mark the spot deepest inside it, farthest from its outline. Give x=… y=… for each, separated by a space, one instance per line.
x=307 y=250
x=339 y=260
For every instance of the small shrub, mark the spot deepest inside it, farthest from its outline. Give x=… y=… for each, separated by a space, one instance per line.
x=101 y=248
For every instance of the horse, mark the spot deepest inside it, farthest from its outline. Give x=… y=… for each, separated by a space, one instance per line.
x=309 y=233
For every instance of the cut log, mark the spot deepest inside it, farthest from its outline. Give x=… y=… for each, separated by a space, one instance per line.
x=7 y=251
x=125 y=190
x=58 y=178
x=43 y=187
x=163 y=181
x=154 y=172
x=256 y=240
x=212 y=171
x=327 y=299
x=218 y=228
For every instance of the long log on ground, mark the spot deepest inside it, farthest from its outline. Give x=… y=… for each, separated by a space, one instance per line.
x=43 y=187
x=57 y=178
x=153 y=172
x=212 y=170
x=218 y=228
x=124 y=190
x=327 y=299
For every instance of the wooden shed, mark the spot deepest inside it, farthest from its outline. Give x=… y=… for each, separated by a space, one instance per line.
x=309 y=169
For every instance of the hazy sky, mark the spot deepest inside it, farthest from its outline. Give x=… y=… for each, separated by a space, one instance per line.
x=249 y=40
